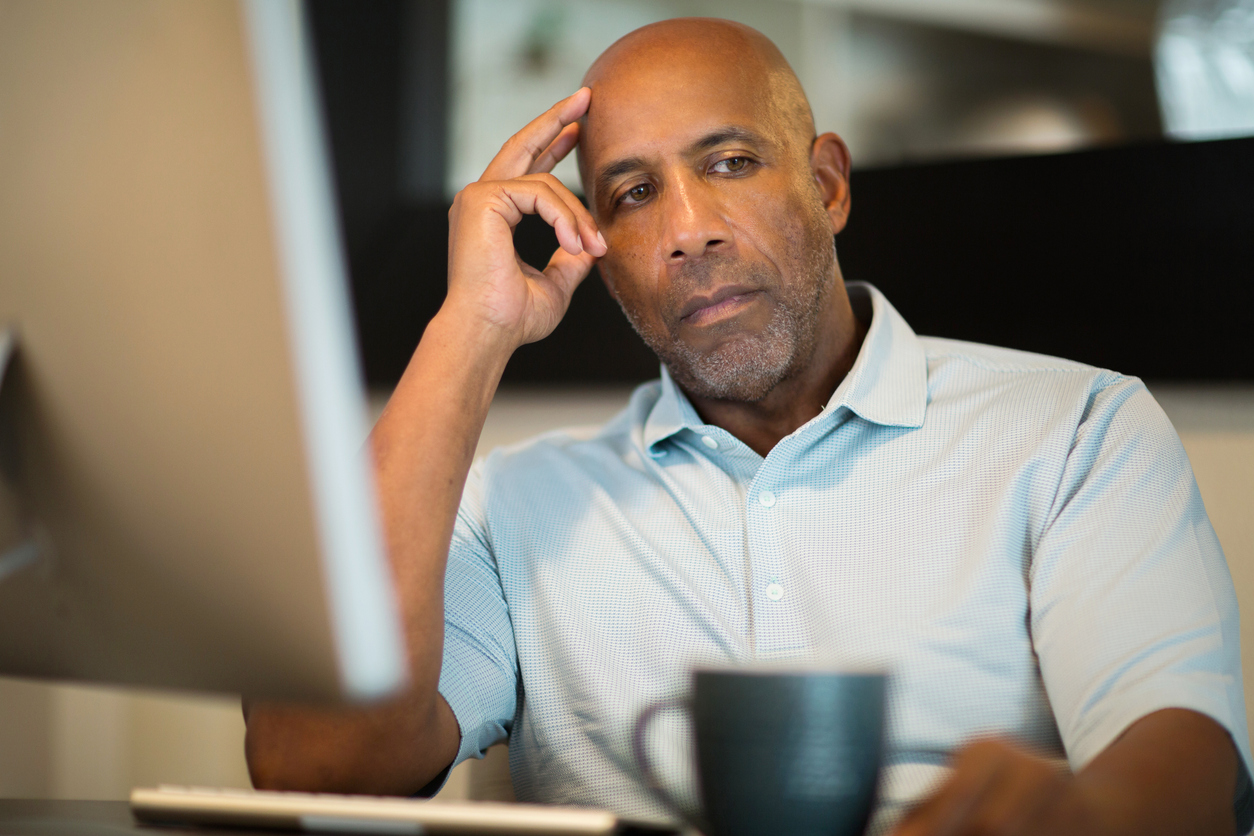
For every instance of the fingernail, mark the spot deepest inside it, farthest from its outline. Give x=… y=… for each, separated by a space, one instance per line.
x=601 y=238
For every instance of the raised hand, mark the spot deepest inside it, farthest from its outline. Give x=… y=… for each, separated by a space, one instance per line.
x=489 y=285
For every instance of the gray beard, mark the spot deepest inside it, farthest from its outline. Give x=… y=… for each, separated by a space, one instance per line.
x=747 y=368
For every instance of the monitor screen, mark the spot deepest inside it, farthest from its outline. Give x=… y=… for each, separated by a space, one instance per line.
x=185 y=499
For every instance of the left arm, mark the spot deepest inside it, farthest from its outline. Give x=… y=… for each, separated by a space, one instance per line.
x=1134 y=622
x=1171 y=772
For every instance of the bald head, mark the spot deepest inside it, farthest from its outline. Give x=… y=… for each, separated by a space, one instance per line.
x=718 y=205
x=672 y=57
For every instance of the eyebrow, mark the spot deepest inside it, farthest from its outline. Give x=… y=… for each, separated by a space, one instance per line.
x=611 y=172
x=607 y=175
x=724 y=135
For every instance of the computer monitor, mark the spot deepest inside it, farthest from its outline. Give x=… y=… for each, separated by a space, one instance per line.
x=185 y=499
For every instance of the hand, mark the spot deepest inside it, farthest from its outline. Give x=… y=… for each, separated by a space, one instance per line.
x=488 y=282
x=998 y=788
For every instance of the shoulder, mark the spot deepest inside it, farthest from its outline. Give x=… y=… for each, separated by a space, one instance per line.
x=991 y=358
x=1023 y=389
x=959 y=365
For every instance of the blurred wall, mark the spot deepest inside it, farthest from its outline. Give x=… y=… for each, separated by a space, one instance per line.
x=898 y=79
x=91 y=742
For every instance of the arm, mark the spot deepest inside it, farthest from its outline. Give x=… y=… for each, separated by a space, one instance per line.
x=1171 y=772
x=423 y=446
x=1134 y=622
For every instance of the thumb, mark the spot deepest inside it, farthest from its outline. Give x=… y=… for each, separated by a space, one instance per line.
x=566 y=271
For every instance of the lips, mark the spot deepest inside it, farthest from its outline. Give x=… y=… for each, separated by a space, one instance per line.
x=700 y=307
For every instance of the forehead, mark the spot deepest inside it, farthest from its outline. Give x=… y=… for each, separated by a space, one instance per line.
x=655 y=102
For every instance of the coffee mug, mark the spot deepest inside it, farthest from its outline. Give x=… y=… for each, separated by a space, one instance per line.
x=794 y=752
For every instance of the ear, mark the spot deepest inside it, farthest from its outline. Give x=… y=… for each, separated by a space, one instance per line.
x=829 y=162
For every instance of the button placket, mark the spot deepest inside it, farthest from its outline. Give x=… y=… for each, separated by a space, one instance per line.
x=776 y=630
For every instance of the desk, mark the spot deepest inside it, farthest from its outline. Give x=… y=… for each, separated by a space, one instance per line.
x=21 y=817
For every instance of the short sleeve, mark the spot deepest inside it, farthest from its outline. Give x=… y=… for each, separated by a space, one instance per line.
x=1132 y=606
x=479 y=676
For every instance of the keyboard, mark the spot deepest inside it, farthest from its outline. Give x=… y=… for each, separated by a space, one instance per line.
x=373 y=815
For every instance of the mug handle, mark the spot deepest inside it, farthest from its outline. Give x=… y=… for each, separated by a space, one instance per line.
x=651 y=781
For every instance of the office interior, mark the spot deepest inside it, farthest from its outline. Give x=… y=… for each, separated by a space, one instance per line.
x=419 y=95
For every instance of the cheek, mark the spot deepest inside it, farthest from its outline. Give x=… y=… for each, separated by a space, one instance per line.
x=775 y=206
x=628 y=267
x=806 y=223
x=632 y=239
x=619 y=279
x=636 y=291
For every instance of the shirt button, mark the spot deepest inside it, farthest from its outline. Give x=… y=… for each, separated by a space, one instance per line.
x=710 y=441
x=774 y=591
x=766 y=498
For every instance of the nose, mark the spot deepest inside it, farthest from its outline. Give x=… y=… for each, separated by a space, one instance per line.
x=694 y=222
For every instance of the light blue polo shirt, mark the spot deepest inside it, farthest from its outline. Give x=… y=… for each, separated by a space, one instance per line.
x=1019 y=539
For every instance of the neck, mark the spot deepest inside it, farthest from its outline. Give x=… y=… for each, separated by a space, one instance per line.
x=800 y=396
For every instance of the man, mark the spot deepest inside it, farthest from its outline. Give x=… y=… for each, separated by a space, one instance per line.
x=1018 y=537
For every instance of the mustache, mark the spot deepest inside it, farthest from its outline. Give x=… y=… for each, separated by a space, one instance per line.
x=714 y=271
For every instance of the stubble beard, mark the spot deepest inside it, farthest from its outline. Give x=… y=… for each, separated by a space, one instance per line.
x=749 y=366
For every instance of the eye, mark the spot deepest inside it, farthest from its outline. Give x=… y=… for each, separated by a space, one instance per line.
x=636 y=193
x=732 y=165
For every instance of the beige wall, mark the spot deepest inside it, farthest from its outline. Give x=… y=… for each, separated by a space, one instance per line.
x=1216 y=425
x=64 y=741
x=72 y=741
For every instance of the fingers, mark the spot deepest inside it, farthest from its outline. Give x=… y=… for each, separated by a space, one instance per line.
x=577 y=233
x=995 y=788
x=566 y=271
x=521 y=152
x=543 y=195
x=590 y=238
x=975 y=775
x=1023 y=800
x=557 y=150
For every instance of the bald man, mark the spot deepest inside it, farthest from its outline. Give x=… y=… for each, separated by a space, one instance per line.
x=1019 y=538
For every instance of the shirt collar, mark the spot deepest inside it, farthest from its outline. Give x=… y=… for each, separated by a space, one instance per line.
x=887 y=384
x=671 y=413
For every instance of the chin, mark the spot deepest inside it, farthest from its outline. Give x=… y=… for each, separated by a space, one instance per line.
x=746 y=370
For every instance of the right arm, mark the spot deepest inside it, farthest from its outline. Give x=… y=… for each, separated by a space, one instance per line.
x=423 y=446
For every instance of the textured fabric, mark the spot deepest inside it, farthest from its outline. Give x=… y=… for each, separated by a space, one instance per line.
x=1018 y=539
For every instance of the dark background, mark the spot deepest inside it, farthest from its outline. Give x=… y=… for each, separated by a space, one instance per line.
x=1137 y=258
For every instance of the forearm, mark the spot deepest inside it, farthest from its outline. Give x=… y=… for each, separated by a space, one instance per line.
x=423 y=446
x=1172 y=772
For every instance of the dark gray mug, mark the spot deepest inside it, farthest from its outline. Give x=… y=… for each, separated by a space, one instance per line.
x=780 y=752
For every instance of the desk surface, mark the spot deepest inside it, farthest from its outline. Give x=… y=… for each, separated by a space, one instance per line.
x=21 y=817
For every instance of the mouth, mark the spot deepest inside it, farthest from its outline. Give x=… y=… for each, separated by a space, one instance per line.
x=725 y=302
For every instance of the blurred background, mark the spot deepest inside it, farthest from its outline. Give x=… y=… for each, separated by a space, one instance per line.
x=1115 y=132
